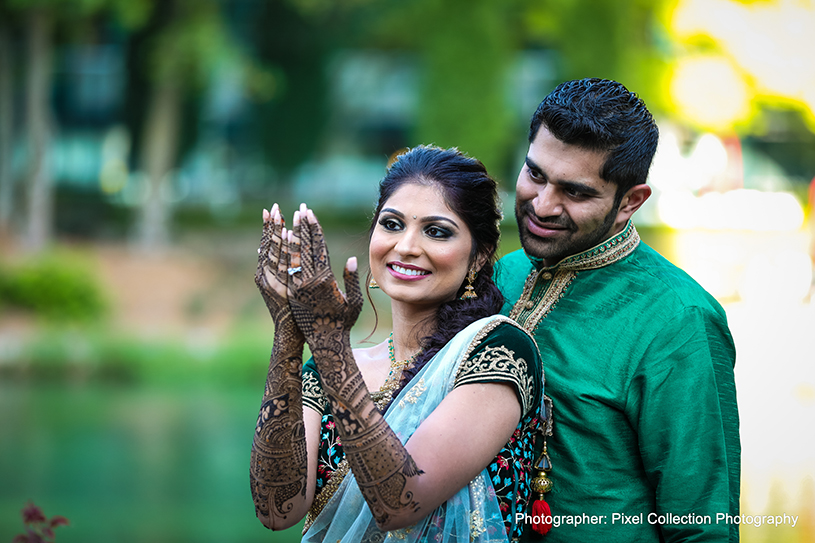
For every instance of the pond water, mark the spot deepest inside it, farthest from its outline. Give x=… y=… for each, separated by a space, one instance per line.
x=131 y=464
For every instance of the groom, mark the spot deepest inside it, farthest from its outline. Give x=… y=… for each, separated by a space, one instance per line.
x=638 y=358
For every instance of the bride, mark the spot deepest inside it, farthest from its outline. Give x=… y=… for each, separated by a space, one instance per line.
x=429 y=435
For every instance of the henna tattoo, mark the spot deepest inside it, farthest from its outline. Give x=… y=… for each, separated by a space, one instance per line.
x=278 y=465
x=380 y=463
x=278 y=469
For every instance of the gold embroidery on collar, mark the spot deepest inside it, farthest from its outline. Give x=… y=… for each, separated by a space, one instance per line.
x=528 y=313
x=608 y=252
x=532 y=307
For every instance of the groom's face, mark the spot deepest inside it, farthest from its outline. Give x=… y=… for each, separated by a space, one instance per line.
x=563 y=206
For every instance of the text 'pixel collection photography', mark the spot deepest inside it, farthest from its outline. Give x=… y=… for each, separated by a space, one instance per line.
x=661 y=519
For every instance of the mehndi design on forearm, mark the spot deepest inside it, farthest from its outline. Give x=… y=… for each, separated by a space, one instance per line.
x=378 y=459
x=278 y=469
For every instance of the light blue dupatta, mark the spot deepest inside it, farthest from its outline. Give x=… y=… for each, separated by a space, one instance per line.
x=470 y=515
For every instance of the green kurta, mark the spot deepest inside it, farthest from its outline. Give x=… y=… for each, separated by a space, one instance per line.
x=639 y=365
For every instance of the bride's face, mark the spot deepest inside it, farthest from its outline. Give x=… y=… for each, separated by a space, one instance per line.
x=420 y=249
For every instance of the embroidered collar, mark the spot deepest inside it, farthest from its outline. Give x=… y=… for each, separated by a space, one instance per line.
x=611 y=250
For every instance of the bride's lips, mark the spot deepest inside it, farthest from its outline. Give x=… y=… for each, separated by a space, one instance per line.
x=406 y=272
x=543 y=229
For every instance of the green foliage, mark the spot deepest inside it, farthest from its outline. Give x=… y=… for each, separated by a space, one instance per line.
x=467 y=48
x=55 y=286
x=130 y=14
x=292 y=112
x=605 y=38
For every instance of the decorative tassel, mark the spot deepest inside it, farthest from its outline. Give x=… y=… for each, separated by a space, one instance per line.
x=542 y=514
x=540 y=485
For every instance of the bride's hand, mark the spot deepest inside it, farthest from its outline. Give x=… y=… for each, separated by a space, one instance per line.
x=271 y=275
x=320 y=308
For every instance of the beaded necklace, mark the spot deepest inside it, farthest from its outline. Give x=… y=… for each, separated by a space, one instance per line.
x=384 y=395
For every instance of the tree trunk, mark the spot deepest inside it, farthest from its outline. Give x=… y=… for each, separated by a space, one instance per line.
x=38 y=84
x=161 y=133
x=6 y=129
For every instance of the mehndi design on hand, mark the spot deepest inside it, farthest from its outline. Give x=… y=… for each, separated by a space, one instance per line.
x=320 y=307
x=379 y=461
x=278 y=469
x=270 y=276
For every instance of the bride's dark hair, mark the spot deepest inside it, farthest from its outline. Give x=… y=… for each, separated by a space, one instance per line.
x=472 y=194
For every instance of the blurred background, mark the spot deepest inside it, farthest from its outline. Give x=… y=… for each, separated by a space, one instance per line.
x=140 y=139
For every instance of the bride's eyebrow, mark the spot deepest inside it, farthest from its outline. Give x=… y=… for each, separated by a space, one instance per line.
x=439 y=218
x=431 y=218
x=391 y=210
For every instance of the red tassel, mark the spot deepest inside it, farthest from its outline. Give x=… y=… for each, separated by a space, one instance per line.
x=541 y=517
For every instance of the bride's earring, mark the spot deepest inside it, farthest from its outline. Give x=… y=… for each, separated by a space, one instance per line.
x=372 y=284
x=469 y=291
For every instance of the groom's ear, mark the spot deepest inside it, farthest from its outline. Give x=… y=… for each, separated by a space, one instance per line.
x=630 y=203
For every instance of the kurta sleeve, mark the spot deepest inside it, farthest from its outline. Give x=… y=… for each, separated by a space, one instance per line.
x=682 y=405
x=506 y=355
x=313 y=395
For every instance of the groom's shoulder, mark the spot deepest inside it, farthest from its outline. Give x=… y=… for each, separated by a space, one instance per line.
x=512 y=268
x=516 y=261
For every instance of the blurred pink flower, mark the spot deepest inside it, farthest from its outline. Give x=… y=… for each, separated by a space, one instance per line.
x=32 y=514
x=58 y=520
x=38 y=528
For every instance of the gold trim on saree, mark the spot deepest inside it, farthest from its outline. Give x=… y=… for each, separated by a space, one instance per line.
x=327 y=492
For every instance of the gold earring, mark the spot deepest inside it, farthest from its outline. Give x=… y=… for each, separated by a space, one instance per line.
x=372 y=284
x=469 y=291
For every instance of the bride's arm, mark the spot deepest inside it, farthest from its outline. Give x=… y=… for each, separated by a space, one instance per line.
x=401 y=484
x=281 y=470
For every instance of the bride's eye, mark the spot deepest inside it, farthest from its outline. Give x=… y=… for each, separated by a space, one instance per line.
x=437 y=232
x=390 y=224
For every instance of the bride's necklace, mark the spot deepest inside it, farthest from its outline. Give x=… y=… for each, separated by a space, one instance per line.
x=384 y=395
